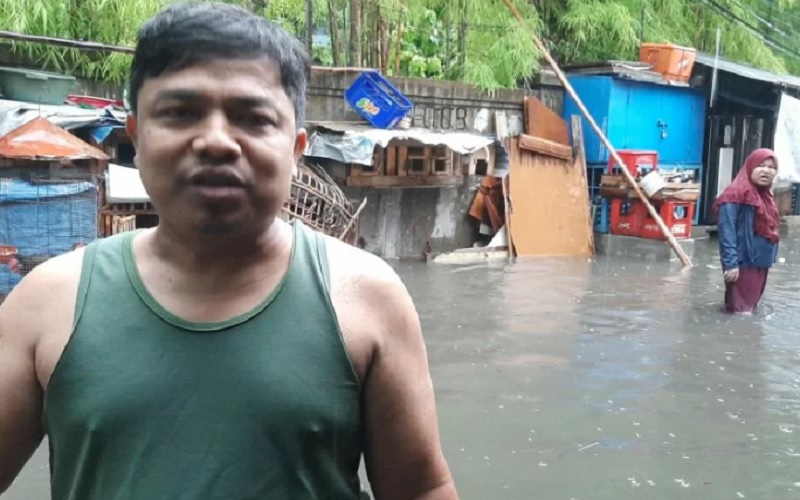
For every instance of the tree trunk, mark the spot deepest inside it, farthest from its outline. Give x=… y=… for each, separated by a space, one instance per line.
x=310 y=26
x=355 y=33
x=462 y=39
x=401 y=24
x=383 y=42
x=447 y=47
x=333 y=8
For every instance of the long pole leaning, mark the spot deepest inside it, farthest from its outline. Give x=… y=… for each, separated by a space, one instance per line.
x=676 y=247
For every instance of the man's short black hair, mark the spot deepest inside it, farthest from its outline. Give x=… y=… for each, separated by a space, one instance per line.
x=189 y=33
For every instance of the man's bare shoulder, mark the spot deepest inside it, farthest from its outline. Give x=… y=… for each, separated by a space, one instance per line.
x=51 y=286
x=363 y=273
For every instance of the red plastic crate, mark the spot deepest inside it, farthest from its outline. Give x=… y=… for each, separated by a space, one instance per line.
x=677 y=216
x=626 y=217
x=635 y=160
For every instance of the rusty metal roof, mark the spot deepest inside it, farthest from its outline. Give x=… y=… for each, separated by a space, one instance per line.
x=42 y=140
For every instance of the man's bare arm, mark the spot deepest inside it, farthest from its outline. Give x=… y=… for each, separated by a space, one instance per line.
x=20 y=392
x=35 y=323
x=403 y=452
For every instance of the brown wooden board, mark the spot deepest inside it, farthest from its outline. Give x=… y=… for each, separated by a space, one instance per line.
x=379 y=181
x=544 y=123
x=550 y=211
x=545 y=147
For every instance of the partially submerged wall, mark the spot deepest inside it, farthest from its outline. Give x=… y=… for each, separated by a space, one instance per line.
x=410 y=222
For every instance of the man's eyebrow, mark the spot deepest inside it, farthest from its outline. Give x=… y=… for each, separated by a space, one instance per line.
x=254 y=102
x=178 y=95
x=190 y=95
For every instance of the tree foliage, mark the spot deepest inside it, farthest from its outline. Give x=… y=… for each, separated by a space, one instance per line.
x=475 y=41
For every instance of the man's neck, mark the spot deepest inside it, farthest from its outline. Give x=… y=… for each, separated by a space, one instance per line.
x=219 y=252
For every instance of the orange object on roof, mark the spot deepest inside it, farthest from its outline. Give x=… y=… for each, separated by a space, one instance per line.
x=672 y=61
x=42 y=140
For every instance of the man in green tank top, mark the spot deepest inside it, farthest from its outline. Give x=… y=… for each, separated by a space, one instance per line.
x=224 y=354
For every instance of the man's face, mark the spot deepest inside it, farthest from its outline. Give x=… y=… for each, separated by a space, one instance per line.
x=216 y=145
x=764 y=174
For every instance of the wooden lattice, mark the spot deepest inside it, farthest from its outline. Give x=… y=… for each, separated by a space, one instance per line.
x=318 y=201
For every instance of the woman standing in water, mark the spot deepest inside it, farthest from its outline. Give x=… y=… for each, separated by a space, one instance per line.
x=748 y=223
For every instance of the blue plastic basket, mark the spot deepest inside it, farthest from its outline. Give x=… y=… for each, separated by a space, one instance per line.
x=377 y=100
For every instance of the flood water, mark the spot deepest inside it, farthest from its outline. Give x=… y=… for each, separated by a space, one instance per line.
x=592 y=380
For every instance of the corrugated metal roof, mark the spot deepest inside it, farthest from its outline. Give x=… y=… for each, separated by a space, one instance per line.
x=628 y=70
x=41 y=140
x=748 y=71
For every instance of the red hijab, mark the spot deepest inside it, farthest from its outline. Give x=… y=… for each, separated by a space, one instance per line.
x=743 y=191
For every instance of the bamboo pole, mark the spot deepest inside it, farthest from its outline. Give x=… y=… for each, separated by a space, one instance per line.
x=353 y=220
x=613 y=152
x=62 y=42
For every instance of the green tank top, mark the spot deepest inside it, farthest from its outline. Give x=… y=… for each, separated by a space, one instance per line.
x=145 y=405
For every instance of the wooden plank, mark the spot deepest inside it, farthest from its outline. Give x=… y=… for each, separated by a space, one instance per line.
x=427 y=165
x=580 y=166
x=545 y=147
x=378 y=161
x=512 y=251
x=550 y=212
x=385 y=181
x=402 y=160
x=391 y=160
x=544 y=123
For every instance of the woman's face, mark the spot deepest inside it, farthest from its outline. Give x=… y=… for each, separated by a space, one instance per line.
x=764 y=174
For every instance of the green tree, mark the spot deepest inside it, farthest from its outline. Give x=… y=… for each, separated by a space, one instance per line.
x=476 y=41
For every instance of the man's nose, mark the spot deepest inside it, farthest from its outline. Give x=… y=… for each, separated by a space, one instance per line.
x=215 y=139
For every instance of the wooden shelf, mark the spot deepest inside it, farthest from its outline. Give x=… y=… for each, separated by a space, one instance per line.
x=420 y=166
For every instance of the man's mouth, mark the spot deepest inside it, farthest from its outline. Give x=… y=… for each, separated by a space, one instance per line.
x=218 y=179
x=219 y=186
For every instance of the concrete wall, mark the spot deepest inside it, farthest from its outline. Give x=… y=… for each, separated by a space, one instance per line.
x=438 y=105
x=405 y=223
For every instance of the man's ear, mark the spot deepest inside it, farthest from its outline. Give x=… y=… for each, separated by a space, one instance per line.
x=300 y=142
x=132 y=128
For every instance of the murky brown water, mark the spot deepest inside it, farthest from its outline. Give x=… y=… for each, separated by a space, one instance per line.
x=568 y=379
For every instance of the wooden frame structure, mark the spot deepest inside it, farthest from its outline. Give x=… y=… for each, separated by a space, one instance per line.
x=406 y=163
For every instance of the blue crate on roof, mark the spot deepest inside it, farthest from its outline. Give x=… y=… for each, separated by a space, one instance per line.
x=377 y=100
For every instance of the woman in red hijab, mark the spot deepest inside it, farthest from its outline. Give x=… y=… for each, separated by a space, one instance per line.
x=748 y=223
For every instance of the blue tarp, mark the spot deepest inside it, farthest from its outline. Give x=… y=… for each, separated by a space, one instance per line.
x=45 y=220
x=13 y=190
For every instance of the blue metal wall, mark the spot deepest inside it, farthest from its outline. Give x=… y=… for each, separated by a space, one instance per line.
x=635 y=115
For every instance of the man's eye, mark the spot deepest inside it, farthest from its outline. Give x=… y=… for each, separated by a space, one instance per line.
x=179 y=113
x=257 y=120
